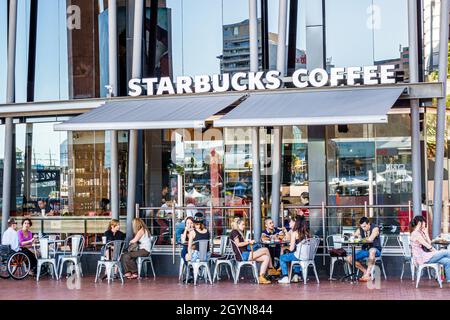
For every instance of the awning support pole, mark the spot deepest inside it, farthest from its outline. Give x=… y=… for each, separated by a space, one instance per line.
x=9 y=126
x=133 y=137
x=440 y=128
x=415 y=112
x=115 y=176
x=256 y=184
x=276 y=174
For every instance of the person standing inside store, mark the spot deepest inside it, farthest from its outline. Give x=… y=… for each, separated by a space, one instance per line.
x=139 y=247
x=371 y=249
x=10 y=237
x=26 y=240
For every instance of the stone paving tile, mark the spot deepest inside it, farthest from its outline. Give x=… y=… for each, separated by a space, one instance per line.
x=168 y=288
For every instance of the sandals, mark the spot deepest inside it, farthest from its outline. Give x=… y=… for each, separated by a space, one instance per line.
x=134 y=276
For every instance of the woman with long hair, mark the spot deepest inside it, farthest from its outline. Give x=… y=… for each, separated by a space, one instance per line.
x=188 y=228
x=300 y=232
x=243 y=248
x=26 y=240
x=422 y=250
x=199 y=232
x=139 y=247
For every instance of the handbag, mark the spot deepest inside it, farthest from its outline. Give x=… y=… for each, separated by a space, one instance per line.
x=133 y=247
x=338 y=253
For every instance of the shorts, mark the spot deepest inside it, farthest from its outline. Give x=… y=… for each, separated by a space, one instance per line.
x=364 y=254
x=245 y=255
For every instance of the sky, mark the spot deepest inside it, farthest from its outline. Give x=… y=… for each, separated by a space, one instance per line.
x=197 y=37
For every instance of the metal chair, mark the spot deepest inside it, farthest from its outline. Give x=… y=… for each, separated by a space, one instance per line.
x=202 y=262
x=405 y=243
x=115 y=248
x=226 y=260
x=142 y=261
x=434 y=266
x=76 y=244
x=46 y=255
x=306 y=253
x=239 y=263
x=379 y=259
x=335 y=242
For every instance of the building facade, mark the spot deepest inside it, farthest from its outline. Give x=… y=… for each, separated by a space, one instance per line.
x=348 y=168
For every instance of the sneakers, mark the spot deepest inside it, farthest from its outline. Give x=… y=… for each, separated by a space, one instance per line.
x=263 y=280
x=284 y=280
x=295 y=278
x=274 y=272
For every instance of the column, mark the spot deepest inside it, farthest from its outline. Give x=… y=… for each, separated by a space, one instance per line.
x=440 y=129
x=415 y=112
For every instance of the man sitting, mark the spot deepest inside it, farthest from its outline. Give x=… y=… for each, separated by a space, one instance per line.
x=272 y=233
x=10 y=236
x=371 y=249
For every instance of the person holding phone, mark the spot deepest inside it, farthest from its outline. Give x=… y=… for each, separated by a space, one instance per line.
x=188 y=228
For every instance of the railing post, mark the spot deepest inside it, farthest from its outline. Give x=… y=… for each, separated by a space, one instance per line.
x=173 y=233
x=409 y=211
x=250 y=211
x=282 y=213
x=365 y=209
x=323 y=230
x=137 y=211
x=211 y=229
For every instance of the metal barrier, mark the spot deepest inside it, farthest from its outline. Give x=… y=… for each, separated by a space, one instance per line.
x=156 y=218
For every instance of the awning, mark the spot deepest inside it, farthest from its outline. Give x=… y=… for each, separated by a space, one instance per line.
x=153 y=113
x=312 y=108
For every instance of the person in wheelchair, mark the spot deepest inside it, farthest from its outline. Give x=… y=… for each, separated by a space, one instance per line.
x=371 y=249
x=10 y=237
x=26 y=240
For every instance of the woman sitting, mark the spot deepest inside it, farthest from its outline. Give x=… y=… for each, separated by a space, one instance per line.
x=299 y=233
x=184 y=239
x=139 y=247
x=198 y=233
x=26 y=240
x=245 y=251
x=113 y=233
x=423 y=251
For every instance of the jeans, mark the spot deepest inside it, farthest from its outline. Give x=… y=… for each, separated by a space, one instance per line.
x=442 y=257
x=284 y=260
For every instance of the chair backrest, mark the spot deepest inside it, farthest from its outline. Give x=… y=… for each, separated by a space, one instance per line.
x=404 y=240
x=153 y=240
x=334 y=241
x=383 y=240
x=235 y=248
x=306 y=250
x=76 y=244
x=202 y=247
x=116 y=248
x=44 y=248
x=228 y=252
x=223 y=244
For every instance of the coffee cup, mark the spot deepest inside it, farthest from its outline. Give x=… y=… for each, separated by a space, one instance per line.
x=104 y=240
x=43 y=212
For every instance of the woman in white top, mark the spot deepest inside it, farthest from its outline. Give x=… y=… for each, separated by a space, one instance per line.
x=139 y=247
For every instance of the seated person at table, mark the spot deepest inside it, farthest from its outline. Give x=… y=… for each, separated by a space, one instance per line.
x=300 y=232
x=10 y=236
x=42 y=205
x=113 y=233
x=243 y=248
x=184 y=238
x=198 y=233
x=140 y=242
x=371 y=249
x=423 y=251
x=26 y=240
x=272 y=233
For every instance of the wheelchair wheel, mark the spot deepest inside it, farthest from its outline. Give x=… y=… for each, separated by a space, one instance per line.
x=19 y=266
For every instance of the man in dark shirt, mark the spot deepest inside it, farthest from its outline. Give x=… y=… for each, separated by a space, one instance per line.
x=272 y=233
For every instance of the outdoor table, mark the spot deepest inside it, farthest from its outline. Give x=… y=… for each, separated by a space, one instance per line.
x=353 y=245
x=441 y=243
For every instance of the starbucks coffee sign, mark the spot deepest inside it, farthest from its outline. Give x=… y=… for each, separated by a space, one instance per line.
x=243 y=81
